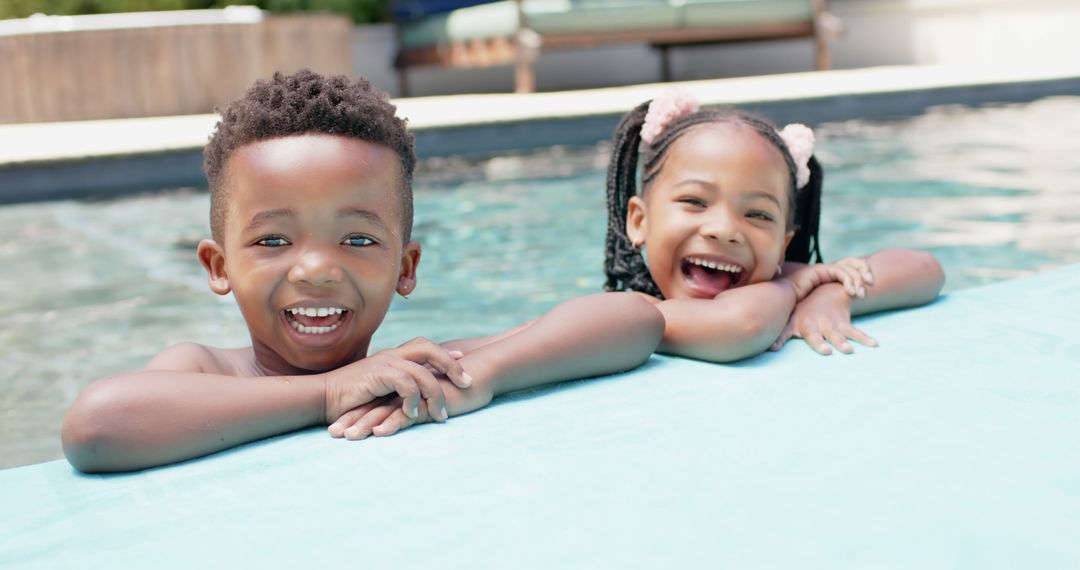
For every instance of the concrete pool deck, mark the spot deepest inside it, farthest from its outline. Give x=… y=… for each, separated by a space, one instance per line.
x=953 y=445
x=77 y=159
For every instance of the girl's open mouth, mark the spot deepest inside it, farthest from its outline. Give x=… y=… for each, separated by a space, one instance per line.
x=709 y=278
x=316 y=320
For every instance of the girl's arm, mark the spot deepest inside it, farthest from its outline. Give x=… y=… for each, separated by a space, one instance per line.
x=470 y=344
x=902 y=278
x=736 y=324
x=186 y=404
x=587 y=336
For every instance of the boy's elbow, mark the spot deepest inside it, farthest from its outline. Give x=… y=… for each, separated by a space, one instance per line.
x=86 y=435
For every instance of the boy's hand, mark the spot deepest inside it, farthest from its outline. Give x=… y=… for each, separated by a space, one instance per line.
x=405 y=370
x=824 y=317
x=385 y=417
x=852 y=272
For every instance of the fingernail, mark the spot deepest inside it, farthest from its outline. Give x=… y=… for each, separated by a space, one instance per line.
x=456 y=353
x=862 y=291
x=869 y=277
x=442 y=413
x=414 y=411
x=466 y=379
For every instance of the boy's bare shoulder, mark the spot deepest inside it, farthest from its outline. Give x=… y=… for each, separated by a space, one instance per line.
x=194 y=357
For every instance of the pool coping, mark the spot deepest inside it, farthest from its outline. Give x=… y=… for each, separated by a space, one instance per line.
x=96 y=158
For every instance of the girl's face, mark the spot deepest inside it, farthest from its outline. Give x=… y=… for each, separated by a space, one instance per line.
x=715 y=216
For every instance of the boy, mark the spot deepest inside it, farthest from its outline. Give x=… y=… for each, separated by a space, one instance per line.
x=311 y=214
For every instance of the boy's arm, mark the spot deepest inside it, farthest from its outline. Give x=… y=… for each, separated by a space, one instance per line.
x=736 y=324
x=160 y=415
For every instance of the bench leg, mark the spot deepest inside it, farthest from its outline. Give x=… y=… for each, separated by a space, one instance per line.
x=524 y=76
x=403 y=82
x=665 y=63
x=822 y=57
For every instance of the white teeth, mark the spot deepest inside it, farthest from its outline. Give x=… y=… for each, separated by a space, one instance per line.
x=316 y=312
x=730 y=268
x=314 y=330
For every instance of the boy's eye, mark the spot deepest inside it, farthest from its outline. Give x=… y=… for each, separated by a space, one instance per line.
x=760 y=216
x=272 y=241
x=358 y=241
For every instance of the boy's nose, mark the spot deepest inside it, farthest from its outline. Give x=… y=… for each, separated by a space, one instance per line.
x=315 y=269
x=723 y=227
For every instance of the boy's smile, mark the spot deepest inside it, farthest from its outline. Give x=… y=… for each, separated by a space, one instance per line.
x=715 y=215
x=313 y=248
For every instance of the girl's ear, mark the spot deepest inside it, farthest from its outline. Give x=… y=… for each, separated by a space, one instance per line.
x=787 y=242
x=212 y=257
x=410 y=260
x=636 y=225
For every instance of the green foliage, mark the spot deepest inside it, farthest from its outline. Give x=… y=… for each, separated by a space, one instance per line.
x=360 y=11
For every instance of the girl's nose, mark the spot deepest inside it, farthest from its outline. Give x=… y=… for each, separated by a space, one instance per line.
x=723 y=227
x=315 y=269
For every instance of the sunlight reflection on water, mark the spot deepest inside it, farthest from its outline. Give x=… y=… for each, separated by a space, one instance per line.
x=94 y=288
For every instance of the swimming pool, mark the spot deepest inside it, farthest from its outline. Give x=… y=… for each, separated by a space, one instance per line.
x=92 y=288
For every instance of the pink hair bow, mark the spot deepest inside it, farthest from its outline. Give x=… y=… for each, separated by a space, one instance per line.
x=670 y=105
x=800 y=142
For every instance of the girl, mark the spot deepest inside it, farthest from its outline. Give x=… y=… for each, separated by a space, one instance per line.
x=724 y=228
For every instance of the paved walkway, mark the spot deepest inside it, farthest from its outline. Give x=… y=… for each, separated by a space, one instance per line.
x=64 y=142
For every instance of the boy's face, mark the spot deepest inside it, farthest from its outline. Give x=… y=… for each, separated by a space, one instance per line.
x=312 y=247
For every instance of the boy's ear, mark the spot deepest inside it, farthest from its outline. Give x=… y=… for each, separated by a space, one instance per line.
x=636 y=225
x=212 y=257
x=410 y=260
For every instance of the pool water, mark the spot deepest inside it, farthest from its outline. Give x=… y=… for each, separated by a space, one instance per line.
x=94 y=288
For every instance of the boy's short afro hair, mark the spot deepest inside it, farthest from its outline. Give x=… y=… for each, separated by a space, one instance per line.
x=307 y=102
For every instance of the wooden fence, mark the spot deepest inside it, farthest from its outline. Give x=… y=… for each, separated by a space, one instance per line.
x=159 y=70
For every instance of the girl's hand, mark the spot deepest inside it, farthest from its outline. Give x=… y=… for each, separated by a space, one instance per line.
x=824 y=318
x=406 y=371
x=384 y=417
x=852 y=272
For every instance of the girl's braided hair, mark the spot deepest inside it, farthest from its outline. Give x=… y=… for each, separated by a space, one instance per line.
x=623 y=264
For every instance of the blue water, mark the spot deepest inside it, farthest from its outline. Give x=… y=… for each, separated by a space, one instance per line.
x=93 y=288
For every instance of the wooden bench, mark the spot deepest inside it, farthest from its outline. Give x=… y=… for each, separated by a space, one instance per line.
x=467 y=33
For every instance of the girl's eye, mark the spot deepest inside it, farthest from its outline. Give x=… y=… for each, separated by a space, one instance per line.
x=760 y=216
x=358 y=241
x=272 y=241
x=692 y=201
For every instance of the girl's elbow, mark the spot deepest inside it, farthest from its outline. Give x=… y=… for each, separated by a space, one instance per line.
x=648 y=322
x=639 y=327
x=933 y=275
